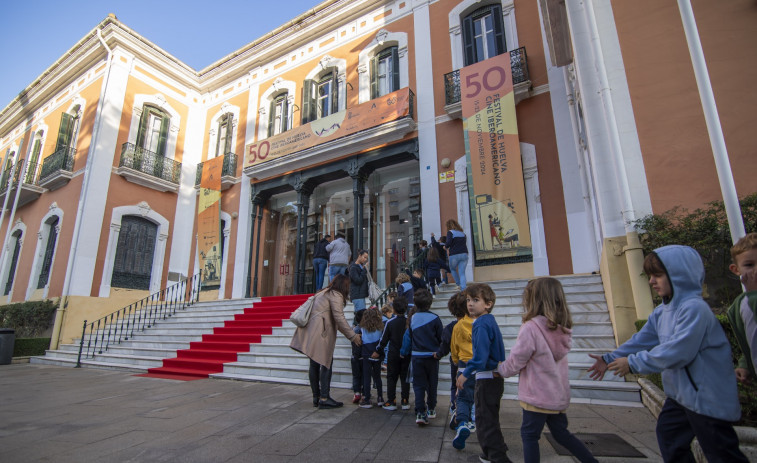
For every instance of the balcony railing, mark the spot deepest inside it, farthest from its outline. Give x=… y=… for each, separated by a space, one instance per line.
x=518 y=63
x=4 y=182
x=147 y=162
x=229 y=168
x=62 y=159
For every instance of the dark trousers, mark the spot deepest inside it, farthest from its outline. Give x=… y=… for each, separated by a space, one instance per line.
x=488 y=395
x=530 y=432
x=396 y=367
x=465 y=397
x=425 y=382
x=320 y=379
x=677 y=426
x=356 y=363
x=372 y=370
x=433 y=281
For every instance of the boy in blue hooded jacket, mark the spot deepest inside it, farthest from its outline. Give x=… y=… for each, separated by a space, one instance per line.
x=683 y=340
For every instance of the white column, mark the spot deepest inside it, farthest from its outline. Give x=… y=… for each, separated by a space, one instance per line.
x=581 y=237
x=426 y=119
x=535 y=216
x=186 y=201
x=463 y=210
x=84 y=250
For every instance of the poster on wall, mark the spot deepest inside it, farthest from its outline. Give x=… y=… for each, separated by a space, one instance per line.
x=209 y=222
x=390 y=107
x=499 y=215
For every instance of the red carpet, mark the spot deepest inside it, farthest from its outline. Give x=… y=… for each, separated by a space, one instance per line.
x=208 y=356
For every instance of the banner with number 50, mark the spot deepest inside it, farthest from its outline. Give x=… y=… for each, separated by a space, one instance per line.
x=499 y=216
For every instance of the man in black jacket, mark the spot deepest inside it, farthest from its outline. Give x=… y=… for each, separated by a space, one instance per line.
x=358 y=273
x=320 y=261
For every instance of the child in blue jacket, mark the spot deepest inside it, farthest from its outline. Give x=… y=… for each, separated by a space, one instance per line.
x=683 y=340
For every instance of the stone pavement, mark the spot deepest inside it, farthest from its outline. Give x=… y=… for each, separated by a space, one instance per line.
x=58 y=414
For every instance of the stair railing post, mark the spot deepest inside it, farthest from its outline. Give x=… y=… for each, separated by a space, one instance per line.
x=81 y=344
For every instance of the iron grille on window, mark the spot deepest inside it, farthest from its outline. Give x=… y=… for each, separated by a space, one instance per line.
x=134 y=253
x=52 y=237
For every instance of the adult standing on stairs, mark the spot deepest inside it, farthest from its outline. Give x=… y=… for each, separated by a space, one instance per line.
x=339 y=255
x=320 y=261
x=318 y=338
x=358 y=273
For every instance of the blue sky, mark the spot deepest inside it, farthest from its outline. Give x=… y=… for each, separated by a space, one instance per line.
x=35 y=33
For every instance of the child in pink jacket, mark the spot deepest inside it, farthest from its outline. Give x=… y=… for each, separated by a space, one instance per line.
x=540 y=356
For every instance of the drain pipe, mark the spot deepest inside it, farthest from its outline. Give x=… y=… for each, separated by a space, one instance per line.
x=722 y=164
x=633 y=251
x=63 y=304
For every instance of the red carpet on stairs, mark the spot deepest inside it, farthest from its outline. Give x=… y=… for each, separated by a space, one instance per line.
x=208 y=356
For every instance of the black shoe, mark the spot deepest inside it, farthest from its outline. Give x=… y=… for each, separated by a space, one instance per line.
x=329 y=403
x=316 y=399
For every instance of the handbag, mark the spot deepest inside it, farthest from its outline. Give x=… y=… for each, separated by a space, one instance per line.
x=301 y=315
x=373 y=289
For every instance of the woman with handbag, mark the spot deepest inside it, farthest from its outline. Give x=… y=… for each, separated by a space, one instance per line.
x=318 y=338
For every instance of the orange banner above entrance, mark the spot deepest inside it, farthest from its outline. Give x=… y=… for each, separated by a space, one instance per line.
x=387 y=108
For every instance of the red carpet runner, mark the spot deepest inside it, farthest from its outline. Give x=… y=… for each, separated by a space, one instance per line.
x=208 y=356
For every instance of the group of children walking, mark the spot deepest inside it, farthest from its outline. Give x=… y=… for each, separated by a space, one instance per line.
x=682 y=339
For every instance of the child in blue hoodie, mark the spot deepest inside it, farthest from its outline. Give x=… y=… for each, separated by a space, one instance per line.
x=425 y=335
x=371 y=328
x=683 y=340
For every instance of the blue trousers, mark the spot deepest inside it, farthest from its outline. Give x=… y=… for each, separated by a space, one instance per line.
x=335 y=270
x=458 y=263
x=530 y=432
x=465 y=397
x=677 y=426
x=319 y=265
x=425 y=382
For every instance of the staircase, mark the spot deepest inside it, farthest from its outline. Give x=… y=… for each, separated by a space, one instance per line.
x=271 y=359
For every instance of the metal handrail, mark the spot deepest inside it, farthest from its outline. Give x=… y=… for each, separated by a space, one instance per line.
x=408 y=268
x=147 y=162
x=138 y=316
x=229 y=167
x=518 y=65
x=62 y=159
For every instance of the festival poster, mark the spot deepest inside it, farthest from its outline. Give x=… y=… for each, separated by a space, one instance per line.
x=390 y=107
x=499 y=215
x=209 y=221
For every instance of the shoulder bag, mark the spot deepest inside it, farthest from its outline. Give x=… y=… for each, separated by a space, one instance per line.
x=301 y=315
x=373 y=289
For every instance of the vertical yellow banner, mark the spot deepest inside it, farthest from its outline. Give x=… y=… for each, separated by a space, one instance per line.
x=497 y=193
x=209 y=221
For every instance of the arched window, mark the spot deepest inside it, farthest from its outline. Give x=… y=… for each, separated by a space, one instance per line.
x=278 y=117
x=33 y=168
x=385 y=72
x=320 y=96
x=153 y=130
x=52 y=237
x=483 y=34
x=69 y=127
x=134 y=253
x=14 y=261
x=225 y=142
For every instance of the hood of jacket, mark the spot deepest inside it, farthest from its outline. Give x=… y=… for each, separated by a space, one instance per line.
x=685 y=272
x=558 y=339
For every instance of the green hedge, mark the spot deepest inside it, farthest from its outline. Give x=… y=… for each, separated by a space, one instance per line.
x=29 y=319
x=26 y=347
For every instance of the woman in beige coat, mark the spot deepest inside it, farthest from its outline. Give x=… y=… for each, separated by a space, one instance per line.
x=318 y=338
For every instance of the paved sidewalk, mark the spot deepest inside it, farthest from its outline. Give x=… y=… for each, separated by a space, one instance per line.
x=57 y=414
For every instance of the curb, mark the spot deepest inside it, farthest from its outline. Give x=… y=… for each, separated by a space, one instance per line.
x=653 y=398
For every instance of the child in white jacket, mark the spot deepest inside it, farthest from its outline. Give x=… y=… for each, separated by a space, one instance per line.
x=540 y=356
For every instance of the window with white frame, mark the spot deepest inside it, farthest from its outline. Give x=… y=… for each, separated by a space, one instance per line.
x=385 y=72
x=279 y=115
x=224 y=140
x=33 y=167
x=483 y=34
x=154 y=124
x=320 y=96
x=16 y=238
x=52 y=238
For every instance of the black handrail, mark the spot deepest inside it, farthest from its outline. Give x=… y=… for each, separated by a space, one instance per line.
x=408 y=268
x=138 y=316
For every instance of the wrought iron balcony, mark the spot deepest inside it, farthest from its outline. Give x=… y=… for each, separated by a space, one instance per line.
x=521 y=82
x=228 y=171
x=142 y=166
x=57 y=169
x=29 y=188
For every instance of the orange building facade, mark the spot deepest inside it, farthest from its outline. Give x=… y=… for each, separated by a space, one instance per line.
x=114 y=135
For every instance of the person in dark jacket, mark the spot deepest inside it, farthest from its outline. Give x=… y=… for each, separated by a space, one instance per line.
x=397 y=366
x=457 y=248
x=439 y=246
x=434 y=266
x=320 y=261
x=358 y=272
